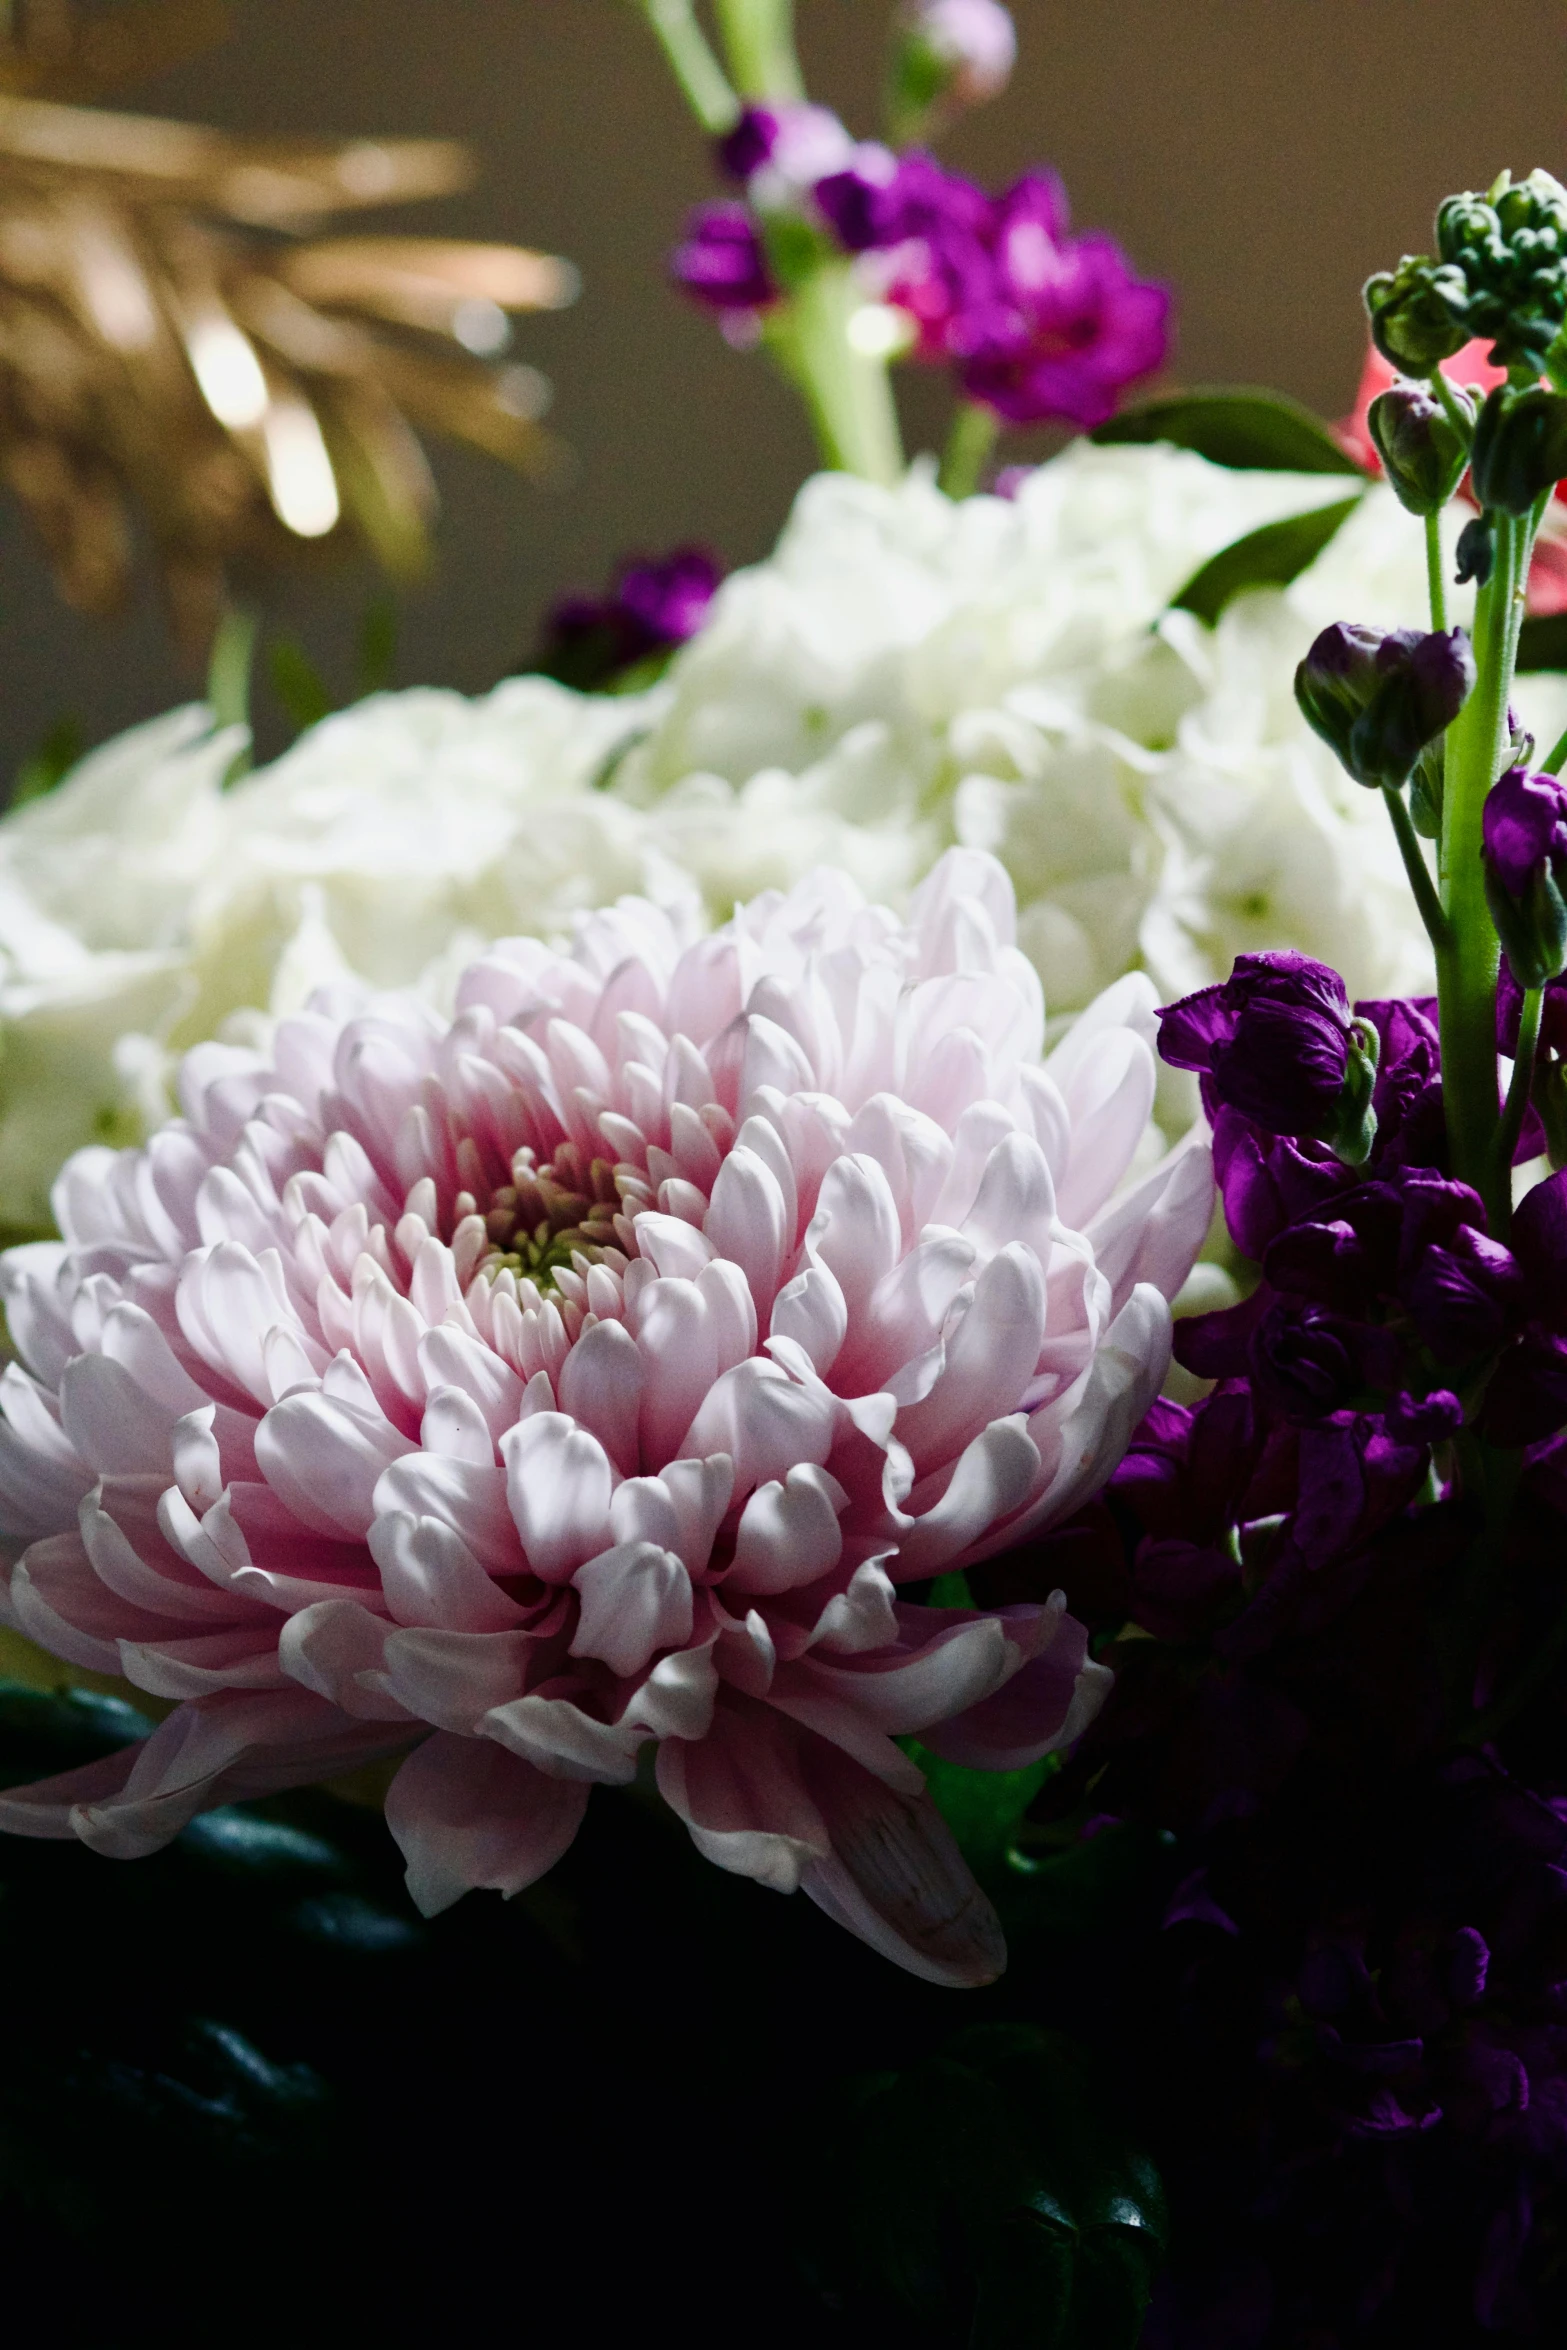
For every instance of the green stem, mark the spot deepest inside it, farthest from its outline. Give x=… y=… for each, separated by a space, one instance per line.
x=1415 y=866
x=1436 y=574
x=702 y=79
x=1522 y=1079
x=969 y=444
x=847 y=391
x=1458 y=416
x=1467 y=963
x=1552 y=763
x=228 y=667
x=758 y=37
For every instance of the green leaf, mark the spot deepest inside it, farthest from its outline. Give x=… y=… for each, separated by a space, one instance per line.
x=1247 y=431
x=298 y=683
x=990 y=2195
x=1542 y=643
x=1270 y=557
x=51 y=762
x=984 y=1809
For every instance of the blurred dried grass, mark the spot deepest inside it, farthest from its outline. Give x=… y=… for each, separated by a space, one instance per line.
x=175 y=340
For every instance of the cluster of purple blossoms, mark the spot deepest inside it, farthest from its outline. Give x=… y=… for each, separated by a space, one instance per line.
x=1038 y=323
x=1335 y=1638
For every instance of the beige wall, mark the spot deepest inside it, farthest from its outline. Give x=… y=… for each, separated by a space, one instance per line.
x=1263 y=154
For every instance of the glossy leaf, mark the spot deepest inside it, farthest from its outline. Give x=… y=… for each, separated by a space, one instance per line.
x=1245 y=430
x=988 y=2195
x=1270 y=557
x=984 y=1809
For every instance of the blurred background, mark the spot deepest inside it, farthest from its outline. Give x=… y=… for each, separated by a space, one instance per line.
x=1262 y=155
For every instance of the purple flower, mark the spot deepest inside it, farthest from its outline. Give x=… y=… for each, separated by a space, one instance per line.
x=722 y=262
x=1525 y=850
x=1272 y=1041
x=669 y=598
x=1378 y=697
x=1465 y=1298
x=1039 y=323
x=1304 y=1363
x=1066 y=326
x=653 y=606
x=1525 y=828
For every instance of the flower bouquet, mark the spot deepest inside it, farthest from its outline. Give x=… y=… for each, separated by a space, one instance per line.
x=897 y=1232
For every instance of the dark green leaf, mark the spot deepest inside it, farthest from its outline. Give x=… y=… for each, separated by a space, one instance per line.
x=51 y=763
x=298 y=683
x=1248 y=431
x=1542 y=643
x=989 y=2196
x=44 y=1731
x=1270 y=557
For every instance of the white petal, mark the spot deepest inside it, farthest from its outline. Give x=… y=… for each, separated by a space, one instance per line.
x=558 y=1486
x=430 y=1576
x=635 y=1599
x=789 y=1532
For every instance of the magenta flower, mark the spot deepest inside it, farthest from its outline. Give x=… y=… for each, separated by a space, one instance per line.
x=722 y=262
x=1039 y=323
x=598 y=1370
x=656 y=603
x=1066 y=327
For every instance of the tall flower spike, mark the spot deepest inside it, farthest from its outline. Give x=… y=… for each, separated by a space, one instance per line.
x=594 y=1371
x=174 y=343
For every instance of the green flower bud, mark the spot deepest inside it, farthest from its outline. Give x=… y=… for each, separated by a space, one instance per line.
x=1422 y=452
x=1418 y=313
x=1510 y=246
x=1354 y=1128
x=1520 y=447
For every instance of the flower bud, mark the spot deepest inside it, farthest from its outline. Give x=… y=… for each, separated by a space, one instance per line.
x=1524 y=844
x=947 y=54
x=723 y=262
x=1377 y=699
x=1476 y=552
x=1422 y=452
x=1520 y=447
x=1277 y=1042
x=1418 y=313
x=1510 y=245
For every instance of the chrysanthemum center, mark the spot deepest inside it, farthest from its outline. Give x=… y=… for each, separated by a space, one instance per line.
x=546 y=1216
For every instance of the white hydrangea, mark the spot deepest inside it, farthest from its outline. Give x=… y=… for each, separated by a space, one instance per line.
x=1147 y=781
x=901 y=674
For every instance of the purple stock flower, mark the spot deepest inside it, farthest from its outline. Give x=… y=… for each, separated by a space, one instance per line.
x=1039 y=323
x=1272 y=1041
x=1525 y=828
x=1066 y=326
x=722 y=262
x=1525 y=850
x=1377 y=697
x=653 y=606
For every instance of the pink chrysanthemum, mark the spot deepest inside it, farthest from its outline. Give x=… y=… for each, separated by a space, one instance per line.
x=589 y=1372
